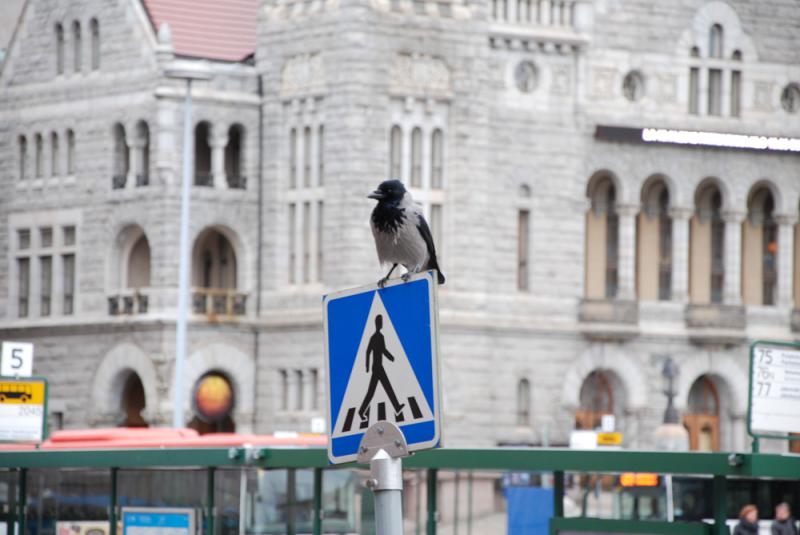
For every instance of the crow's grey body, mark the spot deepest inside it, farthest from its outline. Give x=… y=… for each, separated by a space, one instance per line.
x=402 y=235
x=405 y=245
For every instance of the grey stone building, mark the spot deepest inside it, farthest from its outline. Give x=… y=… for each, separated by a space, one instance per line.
x=592 y=216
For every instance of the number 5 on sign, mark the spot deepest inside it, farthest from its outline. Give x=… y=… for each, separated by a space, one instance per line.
x=17 y=359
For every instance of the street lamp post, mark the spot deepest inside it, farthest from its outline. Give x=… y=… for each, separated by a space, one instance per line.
x=188 y=74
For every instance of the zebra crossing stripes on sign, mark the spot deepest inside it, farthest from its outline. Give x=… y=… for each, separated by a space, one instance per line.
x=382 y=364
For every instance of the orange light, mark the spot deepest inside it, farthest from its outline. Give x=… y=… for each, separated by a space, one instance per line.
x=638 y=479
x=213 y=397
x=772 y=247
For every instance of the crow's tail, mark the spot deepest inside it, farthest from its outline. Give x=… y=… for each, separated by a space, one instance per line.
x=433 y=264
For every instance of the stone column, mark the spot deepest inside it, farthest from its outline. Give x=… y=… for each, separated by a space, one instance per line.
x=786 y=223
x=218 y=177
x=167 y=151
x=308 y=391
x=680 y=253
x=292 y=386
x=732 y=288
x=512 y=10
x=136 y=148
x=130 y=178
x=626 y=256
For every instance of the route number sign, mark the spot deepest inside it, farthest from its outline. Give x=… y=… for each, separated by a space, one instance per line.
x=16 y=359
x=774 y=388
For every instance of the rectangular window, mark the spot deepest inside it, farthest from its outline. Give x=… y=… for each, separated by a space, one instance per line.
x=396 y=153
x=39 y=156
x=320 y=241
x=665 y=259
x=306 y=242
x=68 y=266
x=612 y=251
x=46 y=237
x=714 y=92
x=23 y=239
x=284 y=389
x=293 y=158
x=436 y=230
x=298 y=391
x=437 y=148
x=70 y=152
x=23 y=284
x=292 y=240
x=46 y=284
x=694 y=90
x=314 y=389
x=416 y=158
x=523 y=236
x=23 y=157
x=69 y=235
x=717 y=260
x=321 y=156
x=307 y=157
x=54 y=155
x=736 y=93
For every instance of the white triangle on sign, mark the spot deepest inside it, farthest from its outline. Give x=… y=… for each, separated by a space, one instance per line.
x=399 y=374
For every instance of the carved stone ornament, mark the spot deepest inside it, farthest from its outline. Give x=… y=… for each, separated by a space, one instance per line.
x=303 y=74
x=420 y=74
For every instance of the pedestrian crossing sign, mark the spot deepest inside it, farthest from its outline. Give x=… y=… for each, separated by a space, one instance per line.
x=381 y=351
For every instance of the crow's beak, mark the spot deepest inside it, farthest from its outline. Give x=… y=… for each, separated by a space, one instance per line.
x=377 y=194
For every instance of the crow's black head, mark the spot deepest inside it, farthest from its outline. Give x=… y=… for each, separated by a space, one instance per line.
x=389 y=191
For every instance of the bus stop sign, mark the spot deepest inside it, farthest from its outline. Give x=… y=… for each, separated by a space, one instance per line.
x=381 y=352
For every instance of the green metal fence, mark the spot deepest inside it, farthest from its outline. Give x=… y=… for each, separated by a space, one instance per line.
x=718 y=466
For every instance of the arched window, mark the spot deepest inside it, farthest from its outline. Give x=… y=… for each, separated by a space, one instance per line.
x=707 y=254
x=234 y=164
x=702 y=415
x=790 y=98
x=293 y=158
x=759 y=249
x=202 y=155
x=654 y=243
x=59 y=31
x=55 y=155
x=215 y=276
x=396 y=153
x=602 y=239
x=633 y=86
x=39 y=163
x=142 y=154
x=523 y=402
x=138 y=269
x=437 y=158
x=715 y=41
x=121 y=163
x=70 y=152
x=596 y=400
x=416 y=157
x=22 y=146
x=133 y=402
x=94 y=27
x=76 y=46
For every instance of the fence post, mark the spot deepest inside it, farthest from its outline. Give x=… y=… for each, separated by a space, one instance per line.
x=316 y=528
x=432 y=512
x=720 y=503
x=558 y=493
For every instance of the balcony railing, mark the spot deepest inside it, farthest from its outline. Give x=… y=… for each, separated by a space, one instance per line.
x=142 y=179
x=203 y=180
x=118 y=181
x=127 y=304
x=715 y=316
x=608 y=318
x=237 y=182
x=553 y=13
x=214 y=302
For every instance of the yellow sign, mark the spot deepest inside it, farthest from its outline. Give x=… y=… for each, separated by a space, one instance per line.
x=609 y=439
x=21 y=392
x=638 y=479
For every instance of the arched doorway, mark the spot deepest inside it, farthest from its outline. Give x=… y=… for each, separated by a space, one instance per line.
x=596 y=400
x=702 y=415
x=132 y=402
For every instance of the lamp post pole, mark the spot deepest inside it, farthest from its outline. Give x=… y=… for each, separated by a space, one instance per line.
x=183 y=262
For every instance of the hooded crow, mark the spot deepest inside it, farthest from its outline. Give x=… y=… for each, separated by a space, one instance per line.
x=402 y=235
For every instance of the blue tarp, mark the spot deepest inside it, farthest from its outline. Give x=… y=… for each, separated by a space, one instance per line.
x=529 y=510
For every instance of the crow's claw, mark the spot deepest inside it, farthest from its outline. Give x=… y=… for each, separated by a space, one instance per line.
x=382 y=282
x=405 y=277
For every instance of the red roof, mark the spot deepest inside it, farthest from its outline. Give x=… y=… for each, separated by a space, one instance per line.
x=213 y=29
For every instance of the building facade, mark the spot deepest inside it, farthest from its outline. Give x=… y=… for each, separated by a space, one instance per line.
x=590 y=221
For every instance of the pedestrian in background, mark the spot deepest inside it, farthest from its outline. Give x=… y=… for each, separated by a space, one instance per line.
x=748 y=521
x=783 y=523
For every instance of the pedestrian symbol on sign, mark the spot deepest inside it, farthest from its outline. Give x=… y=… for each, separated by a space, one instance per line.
x=382 y=364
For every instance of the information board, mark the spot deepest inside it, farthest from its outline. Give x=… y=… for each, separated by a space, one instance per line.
x=23 y=409
x=774 y=388
x=158 y=521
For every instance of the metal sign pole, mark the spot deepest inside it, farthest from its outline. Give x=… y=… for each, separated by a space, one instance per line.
x=384 y=446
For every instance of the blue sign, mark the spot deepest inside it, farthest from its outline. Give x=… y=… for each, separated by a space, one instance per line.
x=381 y=351
x=155 y=520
